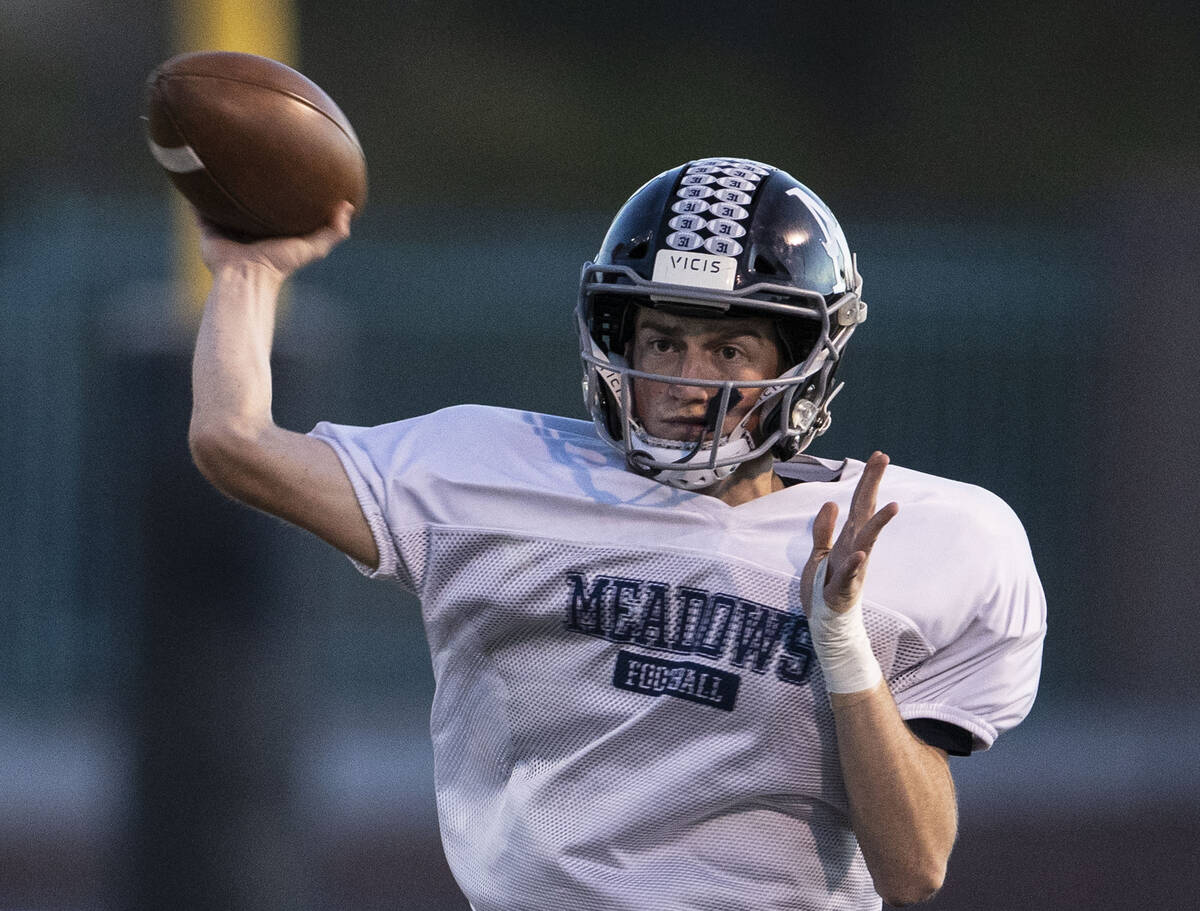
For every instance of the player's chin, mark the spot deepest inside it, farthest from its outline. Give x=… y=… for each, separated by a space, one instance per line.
x=677 y=431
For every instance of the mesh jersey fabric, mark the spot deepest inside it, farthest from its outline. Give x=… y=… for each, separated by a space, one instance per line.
x=628 y=711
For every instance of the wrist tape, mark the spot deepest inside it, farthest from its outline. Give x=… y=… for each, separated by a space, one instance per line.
x=841 y=643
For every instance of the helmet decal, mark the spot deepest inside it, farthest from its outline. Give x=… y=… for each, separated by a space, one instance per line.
x=734 y=196
x=722 y=188
x=685 y=240
x=833 y=240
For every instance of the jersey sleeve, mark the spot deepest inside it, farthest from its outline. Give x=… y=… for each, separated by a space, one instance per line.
x=384 y=464
x=986 y=638
x=466 y=466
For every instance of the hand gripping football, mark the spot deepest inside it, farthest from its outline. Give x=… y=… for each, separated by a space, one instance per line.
x=255 y=146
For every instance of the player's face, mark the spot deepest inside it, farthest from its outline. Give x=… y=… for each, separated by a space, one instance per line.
x=743 y=348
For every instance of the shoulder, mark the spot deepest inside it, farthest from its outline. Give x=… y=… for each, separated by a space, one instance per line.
x=949 y=505
x=503 y=424
x=931 y=507
x=466 y=429
x=955 y=556
x=463 y=418
x=948 y=509
x=470 y=460
x=512 y=419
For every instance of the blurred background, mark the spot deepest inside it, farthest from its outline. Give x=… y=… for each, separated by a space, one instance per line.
x=203 y=708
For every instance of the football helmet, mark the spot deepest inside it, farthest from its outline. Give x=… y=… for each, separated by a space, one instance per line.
x=714 y=237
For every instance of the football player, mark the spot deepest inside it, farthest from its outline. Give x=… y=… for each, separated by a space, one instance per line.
x=665 y=676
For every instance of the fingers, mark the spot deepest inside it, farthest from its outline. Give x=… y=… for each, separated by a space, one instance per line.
x=862 y=504
x=864 y=523
x=822 y=536
x=823 y=526
x=338 y=228
x=848 y=556
x=342 y=216
x=324 y=239
x=845 y=581
x=339 y=222
x=843 y=570
x=867 y=535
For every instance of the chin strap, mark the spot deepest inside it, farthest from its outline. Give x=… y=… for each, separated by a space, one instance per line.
x=713 y=416
x=687 y=477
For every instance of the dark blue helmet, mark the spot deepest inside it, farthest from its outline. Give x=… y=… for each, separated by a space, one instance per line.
x=712 y=237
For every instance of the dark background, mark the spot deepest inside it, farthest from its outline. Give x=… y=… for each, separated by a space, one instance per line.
x=202 y=708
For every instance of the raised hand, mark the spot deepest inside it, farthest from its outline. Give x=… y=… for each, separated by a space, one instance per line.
x=847 y=557
x=832 y=580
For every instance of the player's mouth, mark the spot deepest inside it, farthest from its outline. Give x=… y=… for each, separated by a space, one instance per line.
x=683 y=428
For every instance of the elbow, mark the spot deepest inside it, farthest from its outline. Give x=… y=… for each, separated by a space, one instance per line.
x=917 y=886
x=221 y=454
x=915 y=871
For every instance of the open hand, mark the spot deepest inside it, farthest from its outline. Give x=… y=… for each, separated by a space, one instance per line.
x=846 y=569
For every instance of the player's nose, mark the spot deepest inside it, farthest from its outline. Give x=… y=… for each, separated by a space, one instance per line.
x=694 y=364
x=686 y=395
x=692 y=367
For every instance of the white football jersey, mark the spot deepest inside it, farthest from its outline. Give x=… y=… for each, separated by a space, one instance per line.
x=629 y=713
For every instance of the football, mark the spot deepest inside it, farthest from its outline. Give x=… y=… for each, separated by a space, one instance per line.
x=255 y=146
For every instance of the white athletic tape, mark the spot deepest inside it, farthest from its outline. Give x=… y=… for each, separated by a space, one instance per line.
x=177 y=160
x=840 y=640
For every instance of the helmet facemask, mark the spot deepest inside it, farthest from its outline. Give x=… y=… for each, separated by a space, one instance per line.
x=790 y=407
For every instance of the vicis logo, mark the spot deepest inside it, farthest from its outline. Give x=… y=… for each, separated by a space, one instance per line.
x=699 y=270
x=684 y=262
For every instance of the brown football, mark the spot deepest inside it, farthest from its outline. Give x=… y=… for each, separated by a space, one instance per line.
x=254 y=145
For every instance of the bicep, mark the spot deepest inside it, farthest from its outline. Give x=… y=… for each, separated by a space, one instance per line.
x=293 y=476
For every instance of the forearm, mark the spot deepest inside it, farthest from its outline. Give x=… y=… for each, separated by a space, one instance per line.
x=231 y=371
x=901 y=795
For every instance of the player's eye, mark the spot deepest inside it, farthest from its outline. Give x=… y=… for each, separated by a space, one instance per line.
x=730 y=353
x=660 y=345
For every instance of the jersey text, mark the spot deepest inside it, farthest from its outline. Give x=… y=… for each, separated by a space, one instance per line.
x=683 y=620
